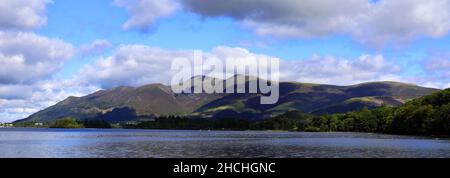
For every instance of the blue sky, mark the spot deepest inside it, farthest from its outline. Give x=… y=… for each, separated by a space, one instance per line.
x=80 y=23
x=60 y=48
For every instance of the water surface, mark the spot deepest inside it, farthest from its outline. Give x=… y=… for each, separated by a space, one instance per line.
x=117 y=143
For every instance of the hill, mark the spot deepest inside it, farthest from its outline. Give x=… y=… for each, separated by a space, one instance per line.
x=124 y=104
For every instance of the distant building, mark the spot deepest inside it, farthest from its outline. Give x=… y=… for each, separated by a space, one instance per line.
x=131 y=123
x=2 y=125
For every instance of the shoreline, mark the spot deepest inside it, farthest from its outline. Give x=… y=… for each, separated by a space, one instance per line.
x=226 y=130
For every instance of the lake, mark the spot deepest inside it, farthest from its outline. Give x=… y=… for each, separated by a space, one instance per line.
x=120 y=143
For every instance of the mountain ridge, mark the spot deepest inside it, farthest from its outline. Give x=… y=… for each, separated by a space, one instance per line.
x=153 y=100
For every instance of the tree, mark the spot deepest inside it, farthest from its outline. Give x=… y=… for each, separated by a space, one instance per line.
x=412 y=119
x=441 y=121
x=97 y=124
x=383 y=118
x=67 y=122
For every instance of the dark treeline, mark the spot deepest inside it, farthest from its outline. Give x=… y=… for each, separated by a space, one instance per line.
x=176 y=122
x=429 y=115
x=69 y=122
x=99 y=123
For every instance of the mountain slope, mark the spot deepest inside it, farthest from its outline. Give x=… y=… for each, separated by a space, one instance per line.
x=123 y=104
x=141 y=103
x=315 y=98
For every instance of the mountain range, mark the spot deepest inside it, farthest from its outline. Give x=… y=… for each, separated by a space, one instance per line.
x=124 y=104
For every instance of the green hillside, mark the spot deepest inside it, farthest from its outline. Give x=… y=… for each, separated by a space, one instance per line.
x=124 y=104
x=428 y=115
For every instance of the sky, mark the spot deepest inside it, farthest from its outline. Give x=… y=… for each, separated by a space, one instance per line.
x=52 y=49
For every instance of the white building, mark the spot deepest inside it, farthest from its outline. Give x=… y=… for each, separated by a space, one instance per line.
x=6 y=124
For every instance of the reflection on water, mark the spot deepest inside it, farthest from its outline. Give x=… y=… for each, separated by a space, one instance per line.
x=205 y=144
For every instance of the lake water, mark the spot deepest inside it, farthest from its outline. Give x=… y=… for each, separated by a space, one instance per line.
x=63 y=143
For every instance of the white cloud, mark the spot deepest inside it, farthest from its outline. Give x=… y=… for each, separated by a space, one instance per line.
x=130 y=65
x=134 y=65
x=437 y=69
x=332 y=70
x=447 y=85
x=144 y=13
x=22 y=14
x=431 y=81
x=439 y=62
x=27 y=57
x=16 y=105
x=400 y=21
x=95 y=47
x=27 y=62
x=371 y=23
x=15 y=91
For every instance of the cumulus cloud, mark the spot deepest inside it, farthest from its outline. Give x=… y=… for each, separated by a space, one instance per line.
x=11 y=110
x=437 y=69
x=22 y=14
x=333 y=70
x=27 y=63
x=286 y=18
x=134 y=65
x=400 y=21
x=15 y=91
x=374 y=23
x=144 y=13
x=19 y=101
x=27 y=57
x=96 y=47
x=131 y=65
x=447 y=85
x=439 y=62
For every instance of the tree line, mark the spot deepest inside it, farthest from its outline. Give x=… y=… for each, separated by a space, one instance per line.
x=429 y=115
